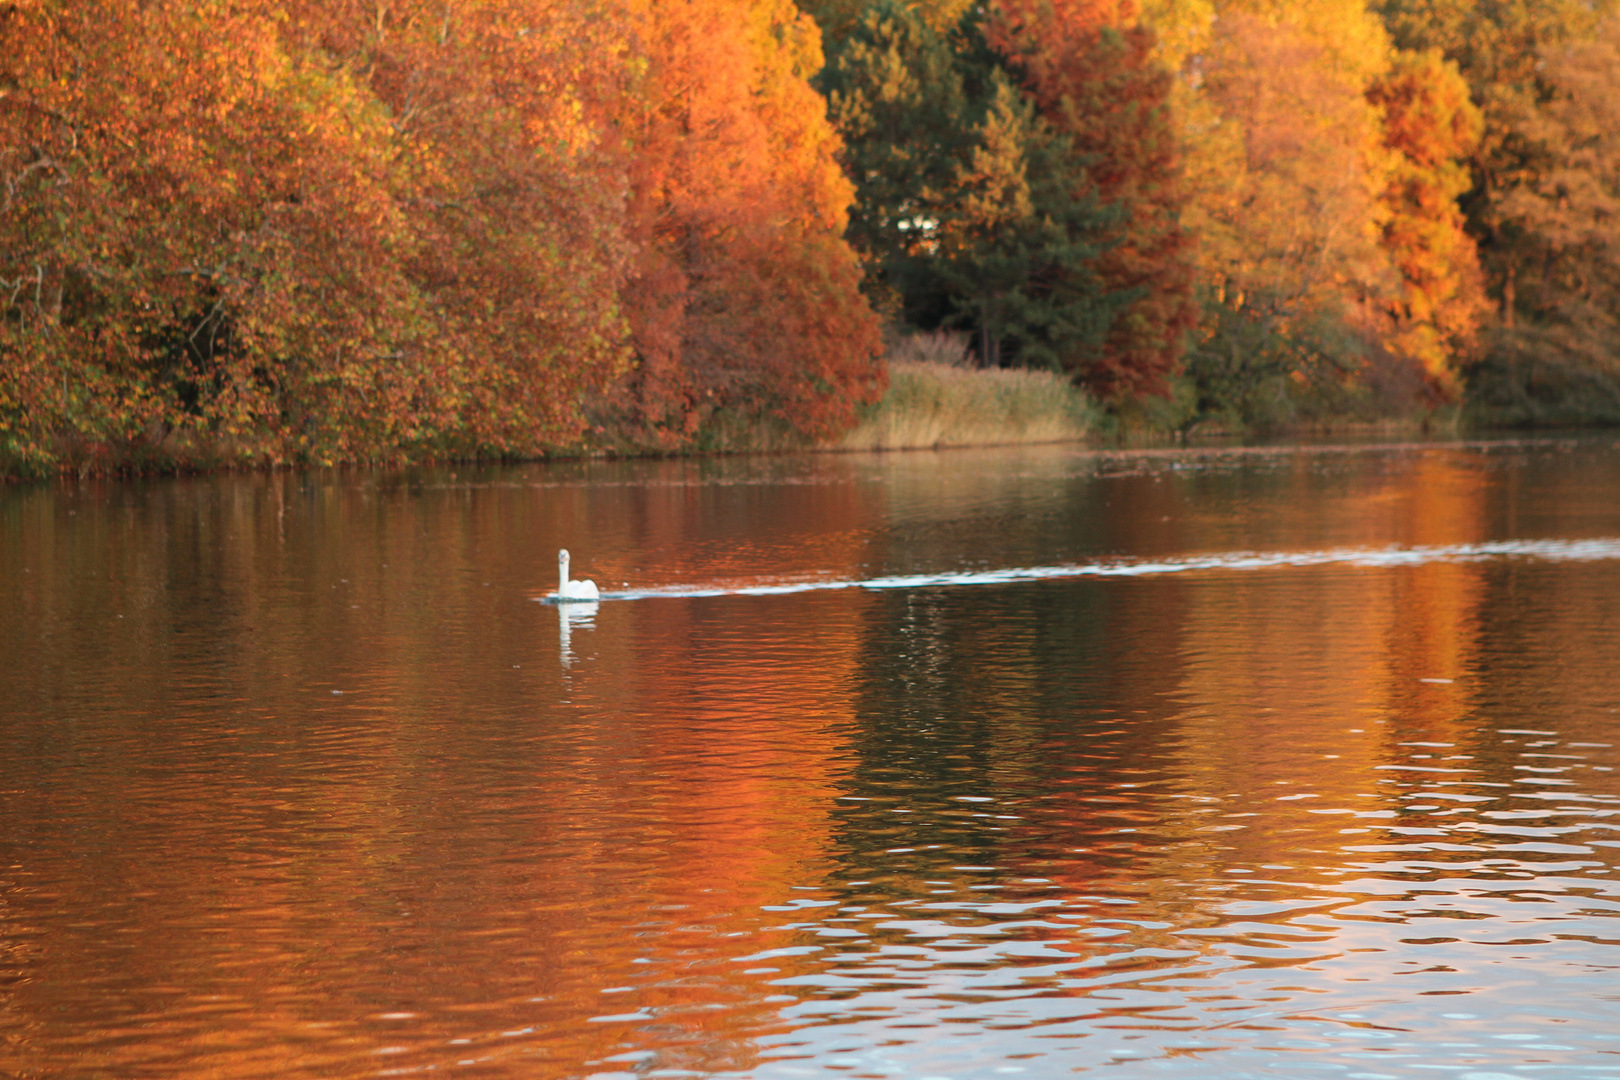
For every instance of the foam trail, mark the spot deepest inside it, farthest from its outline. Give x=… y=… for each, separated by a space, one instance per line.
x=1550 y=550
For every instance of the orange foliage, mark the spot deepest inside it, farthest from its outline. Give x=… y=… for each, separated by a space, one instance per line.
x=1089 y=65
x=745 y=294
x=516 y=209
x=148 y=183
x=321 y=233
x=353 y=230
x=1432 y=127
x=1565 y=212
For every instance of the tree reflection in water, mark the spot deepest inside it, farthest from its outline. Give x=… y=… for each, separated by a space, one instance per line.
x=296 y=784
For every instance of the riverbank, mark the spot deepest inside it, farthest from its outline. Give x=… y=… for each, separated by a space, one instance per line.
x=930 y=403
x=934 y=404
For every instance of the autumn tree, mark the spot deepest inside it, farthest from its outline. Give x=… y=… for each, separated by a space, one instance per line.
x=744 y=294
x=1527 y=64
x=1321 y=176
x=1560 y=360
x=237 y=229
x=1431 y=129
x=1288 y=215
x=513 y=198
x=166 y=166
x=1500 y=48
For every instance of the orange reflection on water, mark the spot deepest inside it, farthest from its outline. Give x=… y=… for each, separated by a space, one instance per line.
x=297 y=786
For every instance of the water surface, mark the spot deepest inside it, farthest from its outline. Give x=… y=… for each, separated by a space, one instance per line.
x=1239 y=763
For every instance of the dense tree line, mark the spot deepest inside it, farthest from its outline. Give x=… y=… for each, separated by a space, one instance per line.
x=381 y=229
x=365 y=230
x=1544 y=198
x=1269 y=195
x=1270 y=211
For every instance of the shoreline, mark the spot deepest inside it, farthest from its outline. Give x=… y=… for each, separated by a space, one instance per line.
x=928 y=406
x=1349 y=438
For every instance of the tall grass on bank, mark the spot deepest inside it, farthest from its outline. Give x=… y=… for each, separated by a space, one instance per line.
x=931 y=404
x=935 y=398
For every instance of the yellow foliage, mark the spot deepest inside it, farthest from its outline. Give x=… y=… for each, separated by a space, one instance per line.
x=1285 y=166
x=1304 y=201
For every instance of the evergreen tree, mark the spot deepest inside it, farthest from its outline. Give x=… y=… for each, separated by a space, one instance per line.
x=971 y=210
x=1092 y=68
x=895 y=92
x=1020 y=249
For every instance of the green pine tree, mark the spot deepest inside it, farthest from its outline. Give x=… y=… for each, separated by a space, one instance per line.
x=1022 y=246
x=971 y=211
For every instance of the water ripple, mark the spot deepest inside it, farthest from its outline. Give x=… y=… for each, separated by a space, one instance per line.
x=1590 y=550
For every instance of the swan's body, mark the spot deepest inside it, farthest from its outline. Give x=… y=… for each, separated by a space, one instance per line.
x=569 y=591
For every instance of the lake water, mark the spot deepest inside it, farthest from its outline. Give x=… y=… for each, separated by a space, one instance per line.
x=1286 y=762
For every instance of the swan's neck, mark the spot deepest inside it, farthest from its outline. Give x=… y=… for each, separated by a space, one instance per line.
x=562 y=570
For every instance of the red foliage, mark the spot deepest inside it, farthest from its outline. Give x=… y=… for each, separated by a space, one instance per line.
x=1088 y=64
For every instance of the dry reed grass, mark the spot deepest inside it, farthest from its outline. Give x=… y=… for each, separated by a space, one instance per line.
x=932 y=404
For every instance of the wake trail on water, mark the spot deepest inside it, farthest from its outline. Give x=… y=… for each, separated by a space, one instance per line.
x=1548 y=550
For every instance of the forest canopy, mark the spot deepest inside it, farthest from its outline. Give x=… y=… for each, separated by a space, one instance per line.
x=283 y=230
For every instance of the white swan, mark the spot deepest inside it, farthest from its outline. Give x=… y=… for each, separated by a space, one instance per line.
x=572 y=591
